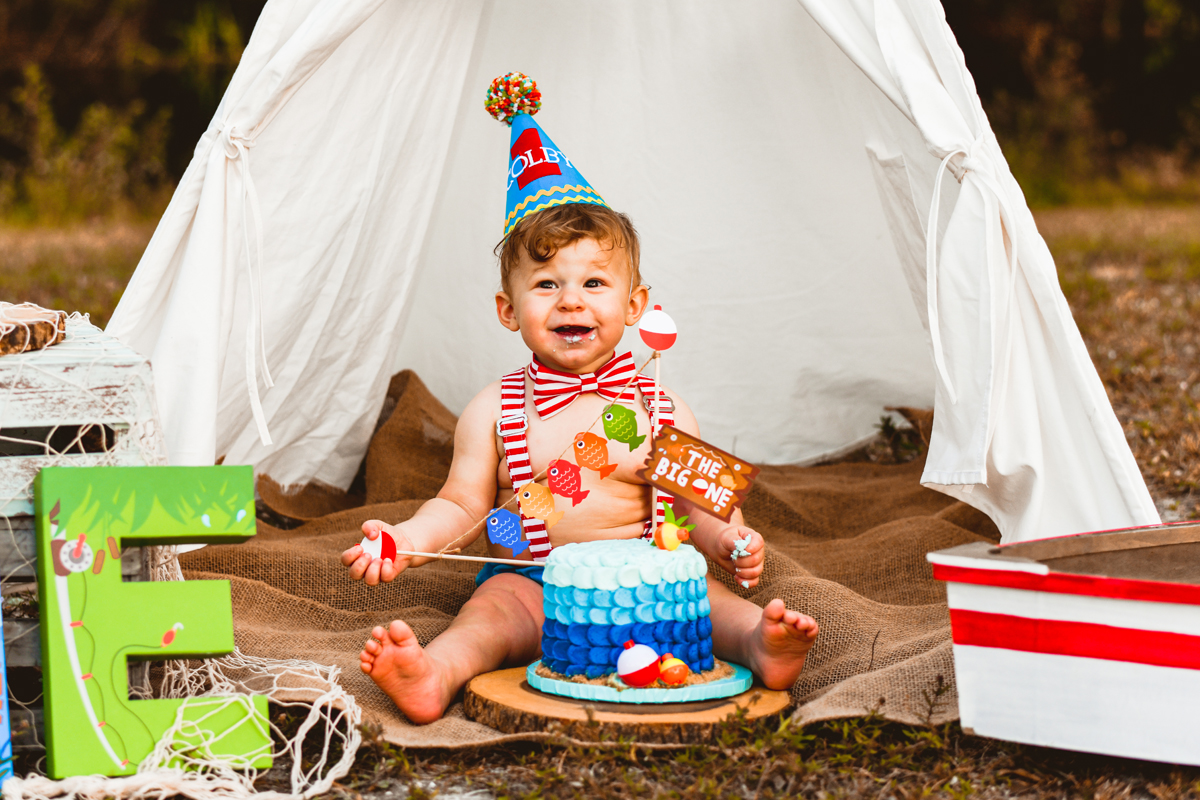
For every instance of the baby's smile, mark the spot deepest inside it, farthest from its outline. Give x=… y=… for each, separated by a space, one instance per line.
x=574 y=334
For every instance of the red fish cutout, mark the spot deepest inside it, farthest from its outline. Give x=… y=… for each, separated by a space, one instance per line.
x=591 y=451
x=565 y=480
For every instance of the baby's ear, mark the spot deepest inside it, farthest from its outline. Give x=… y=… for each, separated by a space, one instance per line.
x=506 y=312
x=639 y=300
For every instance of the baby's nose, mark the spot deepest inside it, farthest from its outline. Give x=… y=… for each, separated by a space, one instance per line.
x=570 y=298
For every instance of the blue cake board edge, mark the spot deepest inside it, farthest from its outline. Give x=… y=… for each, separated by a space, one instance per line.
x=737 y=683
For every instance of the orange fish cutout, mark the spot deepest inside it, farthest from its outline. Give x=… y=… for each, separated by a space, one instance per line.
x=591 y=452
x=537 y=501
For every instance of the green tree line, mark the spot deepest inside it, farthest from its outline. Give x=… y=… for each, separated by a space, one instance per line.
x=101 y=101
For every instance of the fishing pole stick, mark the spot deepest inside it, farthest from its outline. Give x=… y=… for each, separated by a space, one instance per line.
x=513 y=561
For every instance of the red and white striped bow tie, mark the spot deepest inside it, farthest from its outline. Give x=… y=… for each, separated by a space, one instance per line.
x=553 y=390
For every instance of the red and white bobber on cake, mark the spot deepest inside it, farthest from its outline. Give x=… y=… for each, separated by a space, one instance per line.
x=638 y=664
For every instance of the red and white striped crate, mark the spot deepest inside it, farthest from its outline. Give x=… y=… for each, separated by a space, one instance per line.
x=1088 y=642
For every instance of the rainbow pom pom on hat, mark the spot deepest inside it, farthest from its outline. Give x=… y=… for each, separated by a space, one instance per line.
x=539 y=174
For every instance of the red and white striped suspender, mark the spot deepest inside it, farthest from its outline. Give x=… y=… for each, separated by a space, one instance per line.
x=513 y=424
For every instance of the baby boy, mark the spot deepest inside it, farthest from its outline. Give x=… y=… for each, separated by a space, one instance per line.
x=570 y=286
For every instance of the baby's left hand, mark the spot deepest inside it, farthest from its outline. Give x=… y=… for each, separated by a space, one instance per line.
x=740 y=551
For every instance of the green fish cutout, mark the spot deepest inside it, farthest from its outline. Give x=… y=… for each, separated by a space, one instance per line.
x=620 y=425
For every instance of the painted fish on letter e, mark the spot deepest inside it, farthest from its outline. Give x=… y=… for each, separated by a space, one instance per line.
x=538 y=501
x=565 y=479
x=592 y=452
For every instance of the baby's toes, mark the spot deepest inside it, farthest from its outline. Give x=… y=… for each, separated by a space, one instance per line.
x=805 y=626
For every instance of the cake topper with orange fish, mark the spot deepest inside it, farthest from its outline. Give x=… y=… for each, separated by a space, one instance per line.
x=706 y=476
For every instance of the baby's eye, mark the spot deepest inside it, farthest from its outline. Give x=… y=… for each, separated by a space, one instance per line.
x=594 y=283
x=546 y=285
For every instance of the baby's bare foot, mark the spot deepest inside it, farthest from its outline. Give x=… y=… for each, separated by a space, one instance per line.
x=398 y=665
x=779 y=645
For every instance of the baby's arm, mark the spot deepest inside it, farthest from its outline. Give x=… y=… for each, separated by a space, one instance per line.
x=713 y=536
x=465 y=498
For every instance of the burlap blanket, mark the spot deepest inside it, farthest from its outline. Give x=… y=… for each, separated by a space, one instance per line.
x=846 y=544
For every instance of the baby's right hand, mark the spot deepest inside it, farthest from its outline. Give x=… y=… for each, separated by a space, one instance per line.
x=363 y=567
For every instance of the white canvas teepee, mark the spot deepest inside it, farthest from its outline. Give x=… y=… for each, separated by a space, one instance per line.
x=823 y=208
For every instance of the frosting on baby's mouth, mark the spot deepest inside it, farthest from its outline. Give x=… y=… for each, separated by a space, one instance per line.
x=573 y=334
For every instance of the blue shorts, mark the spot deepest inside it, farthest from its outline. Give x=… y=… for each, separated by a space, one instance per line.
x=533 y=572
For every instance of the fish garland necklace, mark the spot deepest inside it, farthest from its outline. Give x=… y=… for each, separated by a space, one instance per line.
x=537 y=501
x=504 y=529
x=452 y=547
x=591 y=452
x=620 y=425
x=566 y=480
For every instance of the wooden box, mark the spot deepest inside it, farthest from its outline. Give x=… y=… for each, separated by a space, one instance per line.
x=1088 y=642
x=87 y=401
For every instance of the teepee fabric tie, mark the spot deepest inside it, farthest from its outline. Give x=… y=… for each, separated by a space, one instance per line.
x=997 y=211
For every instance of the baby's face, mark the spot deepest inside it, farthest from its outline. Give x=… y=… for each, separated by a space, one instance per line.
x=572 y=310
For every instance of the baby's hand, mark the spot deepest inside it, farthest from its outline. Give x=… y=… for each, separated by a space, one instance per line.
x=740 y=550
x=363 y=567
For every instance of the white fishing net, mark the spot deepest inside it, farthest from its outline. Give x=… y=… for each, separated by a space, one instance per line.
x=89 y=401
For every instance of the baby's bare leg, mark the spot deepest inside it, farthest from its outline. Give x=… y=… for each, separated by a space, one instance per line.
x=773 y=641
x=501 y=625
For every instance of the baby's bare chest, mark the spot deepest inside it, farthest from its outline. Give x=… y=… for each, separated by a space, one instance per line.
x=592 y=443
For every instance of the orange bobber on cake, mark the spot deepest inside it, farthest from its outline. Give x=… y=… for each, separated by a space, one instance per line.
x=672 y=671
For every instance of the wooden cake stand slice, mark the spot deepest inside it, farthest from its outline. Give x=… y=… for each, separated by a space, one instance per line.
x=504 y=700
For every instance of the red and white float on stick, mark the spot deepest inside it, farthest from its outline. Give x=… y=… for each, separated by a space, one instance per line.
x=657 y=329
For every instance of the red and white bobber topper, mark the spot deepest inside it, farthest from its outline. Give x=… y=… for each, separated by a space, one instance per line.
x=638 y=664
x=383 y=546
x=657 y=329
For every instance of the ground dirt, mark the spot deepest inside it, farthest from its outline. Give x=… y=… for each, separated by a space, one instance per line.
x=1132 y=279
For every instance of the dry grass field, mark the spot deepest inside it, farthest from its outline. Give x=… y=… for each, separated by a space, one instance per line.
x=1132 y=278
x=80 y=268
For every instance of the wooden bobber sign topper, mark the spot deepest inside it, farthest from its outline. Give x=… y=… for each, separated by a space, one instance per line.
x=705 y=476
x=657 y=329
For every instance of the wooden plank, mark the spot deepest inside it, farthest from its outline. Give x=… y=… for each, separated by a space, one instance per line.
x=89 y=377
x=17 y=472
x=80 y=336
x=1108 y=542
x=18 y=550
x=505 y=701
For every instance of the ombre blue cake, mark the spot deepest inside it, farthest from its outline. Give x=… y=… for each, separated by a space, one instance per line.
x=599 y=595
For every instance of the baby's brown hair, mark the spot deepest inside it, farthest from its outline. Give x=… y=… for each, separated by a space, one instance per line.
x=543 y=234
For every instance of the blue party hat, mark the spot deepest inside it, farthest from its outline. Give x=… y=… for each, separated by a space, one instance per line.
x=539 y=174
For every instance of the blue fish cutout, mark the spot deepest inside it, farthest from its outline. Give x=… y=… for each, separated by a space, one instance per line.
x=504 y=528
